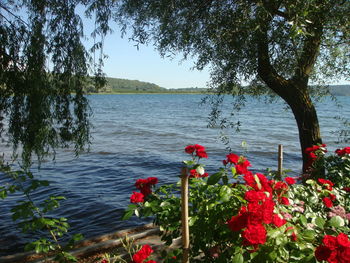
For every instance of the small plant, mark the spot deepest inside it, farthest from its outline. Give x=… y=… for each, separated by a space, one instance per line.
x=33 y=217
x=135 y=253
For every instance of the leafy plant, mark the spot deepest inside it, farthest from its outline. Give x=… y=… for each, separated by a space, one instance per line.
x=238 y=216
x=33 y=217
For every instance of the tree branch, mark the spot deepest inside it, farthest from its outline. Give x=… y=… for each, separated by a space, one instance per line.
x=265 y=69
x=308 y=56
x=14 y=15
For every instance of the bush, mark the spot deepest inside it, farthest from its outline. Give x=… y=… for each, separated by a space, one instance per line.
x=238 y=216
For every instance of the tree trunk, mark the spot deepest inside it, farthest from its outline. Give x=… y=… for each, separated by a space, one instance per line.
x=306 y=117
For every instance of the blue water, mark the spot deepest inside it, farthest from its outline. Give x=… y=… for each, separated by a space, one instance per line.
x=137 y=136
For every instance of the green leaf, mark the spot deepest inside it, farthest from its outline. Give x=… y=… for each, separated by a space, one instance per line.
x=214 y=178
x=309 y=235
x=192 y=220
x=303 y=220
x=225 y=193
x=233 y=170
x=3 y=194
x=127 y=214
x=336 y=221
x=189 y=163
x=238 y=258
x=319 y=221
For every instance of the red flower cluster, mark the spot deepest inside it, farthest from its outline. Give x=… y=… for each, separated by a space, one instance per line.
x=143 y=254
x=327 y=183
x=137 y=197
x=195 y=174
x=342 y=152
x=334 y=249
x=197 y=150
x=260 y=209
x=290 y=180
x=312 y=153
x=327 y=200
x=144 y=185
x=241 y=164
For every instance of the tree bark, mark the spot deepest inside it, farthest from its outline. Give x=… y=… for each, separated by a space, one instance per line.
x=306 y=117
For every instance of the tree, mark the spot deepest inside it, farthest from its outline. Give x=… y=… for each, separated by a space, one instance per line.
x=44 y=67
x=280 y=45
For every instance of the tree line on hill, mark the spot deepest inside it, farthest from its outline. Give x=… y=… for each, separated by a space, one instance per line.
x=118 y=85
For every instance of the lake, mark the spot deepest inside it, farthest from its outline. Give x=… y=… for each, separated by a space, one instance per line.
x=137 y=136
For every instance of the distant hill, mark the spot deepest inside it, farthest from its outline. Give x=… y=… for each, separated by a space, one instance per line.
x=115 y=85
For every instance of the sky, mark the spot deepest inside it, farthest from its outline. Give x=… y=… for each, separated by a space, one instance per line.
x=127 y=61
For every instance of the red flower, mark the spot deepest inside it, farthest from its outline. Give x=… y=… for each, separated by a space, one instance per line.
x=104 y=261
x=326 y=183
x=332 y=197
x=254 y=235
x=344 y=255
x=294 y=237
x=334 y=249
x=284 y=200
x=342 y=152
x=312 y=149
x=330 y=242
x=327 y=202
x=290 y=180
x=144 y=185
x=146 y=190
x=194 y=174
x=280 y=186
x=142 y=254
x=322 y=253
x=278 y=221
x=199 y=147
x=152 y=180
x=199 y=150
x=137 y=198
x=202 y=154
x=237 y=223
x=190 y=149
x=205 y=175
x=232 y=158
x=254 y=196
x=140 y=183
x=343 y=240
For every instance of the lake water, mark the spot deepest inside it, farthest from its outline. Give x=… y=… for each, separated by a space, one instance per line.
x=137 y=136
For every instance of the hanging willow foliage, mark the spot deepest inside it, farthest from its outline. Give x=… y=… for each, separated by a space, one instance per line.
x=44 y=68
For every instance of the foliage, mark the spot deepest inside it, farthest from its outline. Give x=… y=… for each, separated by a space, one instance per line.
x=43 y=70
x=239 y=216
x=34 y=216
x=337 y=166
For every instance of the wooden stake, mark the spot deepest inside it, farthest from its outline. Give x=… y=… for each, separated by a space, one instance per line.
x=280 y=161
x=184 y=216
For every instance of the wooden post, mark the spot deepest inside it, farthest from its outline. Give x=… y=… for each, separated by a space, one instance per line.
x=184 y=216
x=280 y=161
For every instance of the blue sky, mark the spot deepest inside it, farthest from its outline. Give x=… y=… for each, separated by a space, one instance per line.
x=145 y=64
